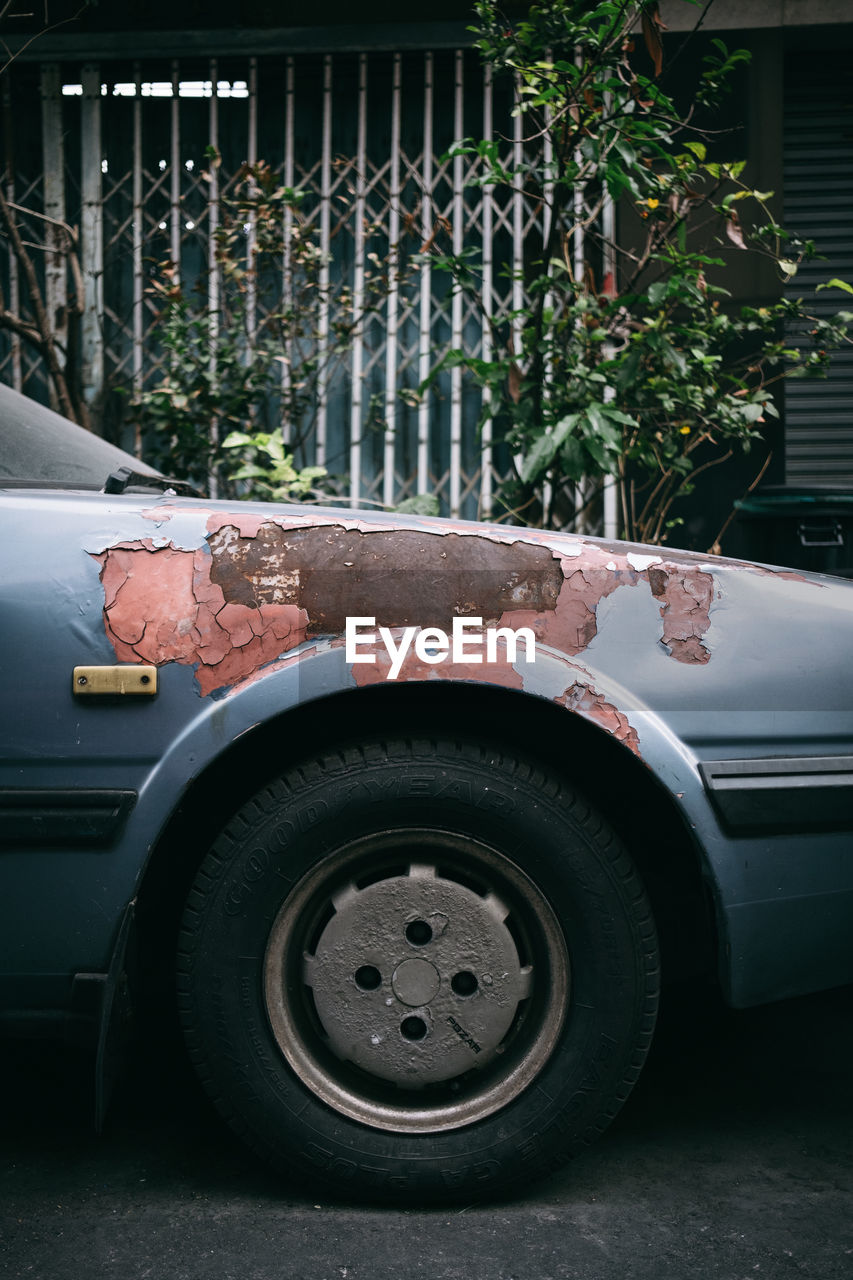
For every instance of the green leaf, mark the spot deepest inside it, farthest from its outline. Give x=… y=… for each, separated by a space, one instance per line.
x=538 y=459
x=597 y=451
x=564 y=428
x=616 y=415
x=545 y=448
x=835 y=283
x=249 y=472
x=574 y=460
x=423 y=504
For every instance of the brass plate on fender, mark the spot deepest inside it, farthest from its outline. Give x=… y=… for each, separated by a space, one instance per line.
x=133 y=679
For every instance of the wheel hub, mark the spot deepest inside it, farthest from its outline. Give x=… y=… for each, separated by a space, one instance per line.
x=416 y=978
x=415 y=982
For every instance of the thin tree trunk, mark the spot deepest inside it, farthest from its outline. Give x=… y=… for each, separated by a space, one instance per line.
x=42 y=326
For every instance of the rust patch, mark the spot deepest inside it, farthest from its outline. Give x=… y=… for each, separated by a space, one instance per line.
x=279 y=664
x=573 y=624
x=160 y=606
x=585 y=701
x=685 y=597
x=400 y=577
x=684 y=593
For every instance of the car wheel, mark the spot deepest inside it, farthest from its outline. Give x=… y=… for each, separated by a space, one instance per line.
x=418 y=966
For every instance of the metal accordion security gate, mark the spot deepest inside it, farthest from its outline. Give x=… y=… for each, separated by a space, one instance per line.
x=117 y=155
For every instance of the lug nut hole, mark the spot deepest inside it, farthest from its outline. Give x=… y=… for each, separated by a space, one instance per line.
x=418 y=932
x=413 y=1028
x=368 y=978
x=464 y=983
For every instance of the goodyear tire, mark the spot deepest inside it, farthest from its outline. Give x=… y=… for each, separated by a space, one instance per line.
x=420 y=967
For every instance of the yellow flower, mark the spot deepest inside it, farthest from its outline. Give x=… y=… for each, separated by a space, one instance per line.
x=685 y=431
x=653 y=204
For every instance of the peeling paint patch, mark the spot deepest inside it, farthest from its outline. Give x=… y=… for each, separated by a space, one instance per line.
x=642 y=562
x=685 y=597
x=572 y=625
x=248 y=523
x=280 y=664
x=160 y=606
x=258 y=588
x=164 y=512
x=181 y=526
x=587 y=702
x=232 y=592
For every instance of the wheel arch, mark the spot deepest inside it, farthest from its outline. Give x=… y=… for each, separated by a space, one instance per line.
x=661 y=842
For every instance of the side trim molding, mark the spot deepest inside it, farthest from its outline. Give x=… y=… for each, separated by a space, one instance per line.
x=788 y=793
x=48 y=817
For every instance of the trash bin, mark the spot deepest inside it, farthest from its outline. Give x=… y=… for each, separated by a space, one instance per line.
x=802 y=528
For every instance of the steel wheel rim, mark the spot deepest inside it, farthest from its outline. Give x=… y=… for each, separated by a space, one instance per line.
x=416 y=980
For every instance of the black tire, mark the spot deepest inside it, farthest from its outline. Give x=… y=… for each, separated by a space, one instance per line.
x=418 y=967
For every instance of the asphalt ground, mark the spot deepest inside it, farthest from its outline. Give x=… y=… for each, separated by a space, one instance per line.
x=733 y=1158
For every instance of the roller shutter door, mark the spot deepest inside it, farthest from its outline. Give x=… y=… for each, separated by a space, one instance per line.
x=818 y=205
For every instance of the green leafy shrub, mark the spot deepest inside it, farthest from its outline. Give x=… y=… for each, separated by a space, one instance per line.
x=627 y=359
x=239 y=375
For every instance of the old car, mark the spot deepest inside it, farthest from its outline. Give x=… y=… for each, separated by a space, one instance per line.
x=407 y=818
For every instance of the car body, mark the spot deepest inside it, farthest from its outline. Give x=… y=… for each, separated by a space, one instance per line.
x=418 y=898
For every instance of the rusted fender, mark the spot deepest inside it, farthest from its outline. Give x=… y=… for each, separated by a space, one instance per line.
x=231 y=593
